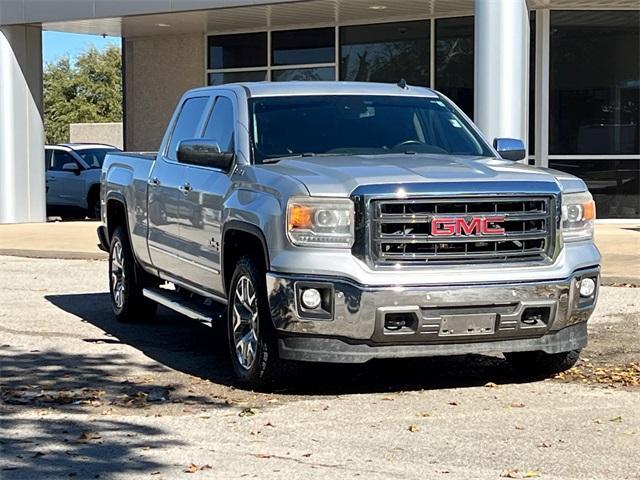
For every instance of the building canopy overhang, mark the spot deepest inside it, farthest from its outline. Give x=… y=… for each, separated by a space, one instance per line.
x=134 y=18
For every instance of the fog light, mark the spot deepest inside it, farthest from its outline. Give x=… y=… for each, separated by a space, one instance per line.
x=311 y=298
x=587 y=287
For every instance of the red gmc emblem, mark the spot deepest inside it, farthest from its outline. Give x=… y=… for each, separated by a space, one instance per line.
x=451 y=226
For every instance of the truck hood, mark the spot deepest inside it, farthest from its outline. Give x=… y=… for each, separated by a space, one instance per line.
x=338 y=176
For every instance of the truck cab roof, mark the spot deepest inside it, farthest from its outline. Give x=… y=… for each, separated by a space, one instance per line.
x=272 y=89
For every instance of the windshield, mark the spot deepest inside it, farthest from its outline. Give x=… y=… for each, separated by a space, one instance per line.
x=94 y=157
x=358 y=125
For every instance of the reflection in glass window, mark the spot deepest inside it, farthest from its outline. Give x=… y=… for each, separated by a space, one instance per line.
x=304 y=74
x=594 y=82
x=615 y=184
x=238 y=51
x=386 y=52
x=454 y=61
x=359 y=125
x=187 y=123
x=219 y=78
x=221 y=124
x=295 y=47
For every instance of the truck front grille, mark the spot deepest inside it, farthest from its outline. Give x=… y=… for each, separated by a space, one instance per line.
x=516 y=229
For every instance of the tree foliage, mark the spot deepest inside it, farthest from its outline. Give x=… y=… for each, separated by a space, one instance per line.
x=89 y=90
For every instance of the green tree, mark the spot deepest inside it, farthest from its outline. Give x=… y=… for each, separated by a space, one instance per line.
x=90 y=90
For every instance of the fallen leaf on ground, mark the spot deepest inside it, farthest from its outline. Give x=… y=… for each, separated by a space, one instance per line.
x=517 y=405
x=532 y=474
x=247 y=412
x=413 y=428
x=510 y=473
x=191 y=468
x=89 y=436
x=617 y=419
x=262 y=455
x=544 y=445
x=490 y=385
x=454 y=403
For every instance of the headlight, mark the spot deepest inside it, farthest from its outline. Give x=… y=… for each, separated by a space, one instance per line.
x=326 y=222
x=578 y=215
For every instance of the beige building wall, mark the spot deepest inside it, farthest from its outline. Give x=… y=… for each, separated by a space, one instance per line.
x=107 y=133
x=157 y=71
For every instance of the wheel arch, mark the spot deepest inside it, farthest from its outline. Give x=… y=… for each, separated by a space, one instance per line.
x=238 y=237
x=116 y=206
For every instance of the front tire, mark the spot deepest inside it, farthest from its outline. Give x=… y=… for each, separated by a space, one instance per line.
x=250 y=333
x=542 y=364
x=126 y=282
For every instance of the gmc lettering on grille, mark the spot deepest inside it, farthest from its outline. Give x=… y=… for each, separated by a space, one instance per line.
x=452 y=226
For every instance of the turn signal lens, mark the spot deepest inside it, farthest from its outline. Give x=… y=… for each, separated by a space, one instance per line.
x=300 y=216
x=589 y=210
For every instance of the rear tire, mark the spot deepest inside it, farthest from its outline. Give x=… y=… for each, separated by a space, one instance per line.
x=126 y=281
x=250 y=332
x=541 y=363
x=93 y=210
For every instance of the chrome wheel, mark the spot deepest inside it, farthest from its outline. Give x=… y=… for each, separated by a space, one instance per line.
x=245 y=322
x=117 y=274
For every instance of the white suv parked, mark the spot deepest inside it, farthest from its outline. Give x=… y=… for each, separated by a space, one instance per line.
x=73 y=176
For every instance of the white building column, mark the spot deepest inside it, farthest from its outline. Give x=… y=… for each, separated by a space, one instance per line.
x=22 y=172
x=502 y=68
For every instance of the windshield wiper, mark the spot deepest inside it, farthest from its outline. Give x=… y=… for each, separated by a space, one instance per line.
x=304 y=155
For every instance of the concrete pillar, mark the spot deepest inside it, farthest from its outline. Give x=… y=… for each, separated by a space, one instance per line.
x=502 y=68
x=22 y=172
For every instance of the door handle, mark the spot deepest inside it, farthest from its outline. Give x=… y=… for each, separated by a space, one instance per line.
x=186 y=188
x=154 y=182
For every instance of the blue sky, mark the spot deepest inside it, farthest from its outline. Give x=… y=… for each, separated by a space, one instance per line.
x=56 y=44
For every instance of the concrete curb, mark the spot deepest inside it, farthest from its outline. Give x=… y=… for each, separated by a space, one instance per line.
x=54 y=255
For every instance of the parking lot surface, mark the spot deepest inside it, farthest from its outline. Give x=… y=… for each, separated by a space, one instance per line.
x=86 y=397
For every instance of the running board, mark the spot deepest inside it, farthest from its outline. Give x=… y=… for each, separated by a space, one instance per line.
x=176 y=302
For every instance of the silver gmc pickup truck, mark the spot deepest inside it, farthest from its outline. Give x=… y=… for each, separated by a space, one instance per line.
x=342 y=222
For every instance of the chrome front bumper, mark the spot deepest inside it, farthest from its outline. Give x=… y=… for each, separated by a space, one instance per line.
x=518 y=316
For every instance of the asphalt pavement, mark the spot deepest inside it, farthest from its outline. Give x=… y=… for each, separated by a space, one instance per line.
x=86 y=397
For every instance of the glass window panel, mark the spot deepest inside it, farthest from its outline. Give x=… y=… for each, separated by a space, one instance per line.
x=61 y=157
x=221 y=124
x=454 y=61
x=293 y=47
x=386 y=52
x=187 y=123
x=306 y=74
x=594 y=82
x=219 y=78
x=238 y=51
x=615 y=184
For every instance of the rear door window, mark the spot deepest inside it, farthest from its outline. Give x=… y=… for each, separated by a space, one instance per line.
x=186 y=126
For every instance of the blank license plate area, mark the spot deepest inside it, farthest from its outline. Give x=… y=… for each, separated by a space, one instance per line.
x=465 y=325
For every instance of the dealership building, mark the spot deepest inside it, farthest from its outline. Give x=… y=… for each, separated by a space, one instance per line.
x=563 y=75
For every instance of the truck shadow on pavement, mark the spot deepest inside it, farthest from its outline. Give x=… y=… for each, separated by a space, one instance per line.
x=42 y=447
x=190 y=347
x=57 y=408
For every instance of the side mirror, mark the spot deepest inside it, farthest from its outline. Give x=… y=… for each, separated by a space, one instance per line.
x=510 y=148
x=71 y=167
x=205 y=153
